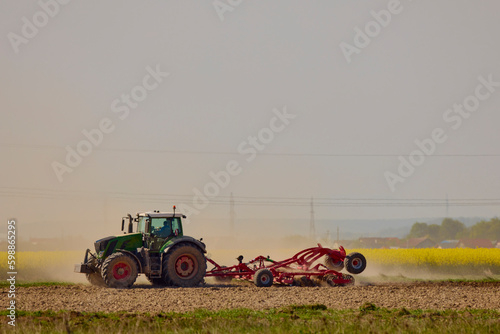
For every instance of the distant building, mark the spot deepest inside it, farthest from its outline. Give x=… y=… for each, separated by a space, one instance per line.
x=445 y=244
x=420 y=243
x=379 y=242
x=475 y=243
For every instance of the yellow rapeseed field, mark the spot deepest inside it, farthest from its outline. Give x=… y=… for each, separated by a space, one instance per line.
x=39 y=260
x=42 y=266
x=433 y=257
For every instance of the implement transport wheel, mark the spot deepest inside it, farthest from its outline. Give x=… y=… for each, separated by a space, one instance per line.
x=184 y=265
x=119 y=270
x=263 y=278
x=332 y=264
x=355 y=263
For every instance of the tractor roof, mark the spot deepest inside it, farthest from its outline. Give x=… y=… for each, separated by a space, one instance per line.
x=153 y=214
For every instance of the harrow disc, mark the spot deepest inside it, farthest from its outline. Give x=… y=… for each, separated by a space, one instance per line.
x=304 y=281
x=223 y=279
x=341 y=280
x=348 y=277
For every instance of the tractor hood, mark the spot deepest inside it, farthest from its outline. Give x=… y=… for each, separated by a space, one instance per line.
x=107 y=246
x=100 y=245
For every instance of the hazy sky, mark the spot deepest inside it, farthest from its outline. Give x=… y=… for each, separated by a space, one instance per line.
x=229 y=67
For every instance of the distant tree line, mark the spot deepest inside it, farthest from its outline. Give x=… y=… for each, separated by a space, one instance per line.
x=451 y=229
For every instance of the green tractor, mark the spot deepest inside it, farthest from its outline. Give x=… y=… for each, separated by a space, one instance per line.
x=156 y=247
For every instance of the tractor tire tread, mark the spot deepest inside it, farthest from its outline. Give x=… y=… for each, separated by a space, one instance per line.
x=169 y=276
x=349 y=263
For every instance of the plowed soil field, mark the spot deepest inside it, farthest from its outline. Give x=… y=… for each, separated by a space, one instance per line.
x=145 y=298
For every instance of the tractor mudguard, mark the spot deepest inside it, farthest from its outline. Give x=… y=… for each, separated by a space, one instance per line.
x=139 y=264
x=192 y=240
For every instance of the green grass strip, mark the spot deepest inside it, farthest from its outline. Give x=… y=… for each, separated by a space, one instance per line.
x=290 y=319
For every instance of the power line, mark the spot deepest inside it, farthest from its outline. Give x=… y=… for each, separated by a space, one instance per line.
x=232 y=153
x=51 y=194
x=154 y=194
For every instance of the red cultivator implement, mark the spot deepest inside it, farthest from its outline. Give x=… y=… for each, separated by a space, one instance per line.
x=300 y=269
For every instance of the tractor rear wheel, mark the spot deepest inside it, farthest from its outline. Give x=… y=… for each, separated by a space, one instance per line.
x=332 y=264
x=355 y=263
x=263 y=278
x=184 y=265
x=119 y=270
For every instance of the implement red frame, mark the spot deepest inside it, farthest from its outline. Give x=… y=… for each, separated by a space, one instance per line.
x=284 y=272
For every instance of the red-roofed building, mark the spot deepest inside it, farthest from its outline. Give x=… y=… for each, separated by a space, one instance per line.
x=419 y=243
x=379 y=242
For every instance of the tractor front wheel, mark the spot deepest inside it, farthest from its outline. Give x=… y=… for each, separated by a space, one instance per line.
x=184 y=265
x=119 y=270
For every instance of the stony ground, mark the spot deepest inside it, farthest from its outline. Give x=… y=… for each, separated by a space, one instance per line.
x=145 y=298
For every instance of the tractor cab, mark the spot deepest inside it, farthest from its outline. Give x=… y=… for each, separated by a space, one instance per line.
x=159 y=228
x=159 y=224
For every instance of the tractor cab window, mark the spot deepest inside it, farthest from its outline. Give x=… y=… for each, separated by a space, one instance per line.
x=164 y=227
x=176 y=226
x=141 y=225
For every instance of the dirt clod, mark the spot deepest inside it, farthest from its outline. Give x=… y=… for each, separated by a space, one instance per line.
x=145 y=298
